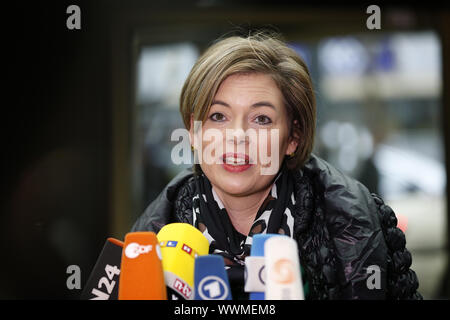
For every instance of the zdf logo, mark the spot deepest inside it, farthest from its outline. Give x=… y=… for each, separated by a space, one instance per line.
x=133 y=250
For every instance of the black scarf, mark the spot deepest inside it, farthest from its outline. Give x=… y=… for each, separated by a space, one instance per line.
x=211 y=218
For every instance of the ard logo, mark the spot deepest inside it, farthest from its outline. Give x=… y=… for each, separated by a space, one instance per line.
x=212 y=288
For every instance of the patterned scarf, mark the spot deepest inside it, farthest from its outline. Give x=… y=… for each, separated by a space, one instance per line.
x=211 y=218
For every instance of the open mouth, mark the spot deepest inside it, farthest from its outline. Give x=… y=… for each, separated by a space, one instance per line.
x=235 y=159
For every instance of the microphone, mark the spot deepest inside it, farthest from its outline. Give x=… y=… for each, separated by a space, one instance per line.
x=180 y=244
x=211 y=279
x=284 y=280
x=103 y=282
x=142 y=275
x=255 y=273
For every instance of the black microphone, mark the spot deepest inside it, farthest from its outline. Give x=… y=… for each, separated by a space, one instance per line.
x=103 y=283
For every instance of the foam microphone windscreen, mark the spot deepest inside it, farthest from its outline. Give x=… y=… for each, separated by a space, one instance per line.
x=211 y=279
x=283 y=275
x=103 y=282
x=142 y=275
x=255 y=273
x=180 y=244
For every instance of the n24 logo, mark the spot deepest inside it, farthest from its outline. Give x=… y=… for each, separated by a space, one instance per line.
x=111 y=272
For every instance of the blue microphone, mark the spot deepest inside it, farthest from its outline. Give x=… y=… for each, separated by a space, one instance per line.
x=255 y=273
x=210 y=278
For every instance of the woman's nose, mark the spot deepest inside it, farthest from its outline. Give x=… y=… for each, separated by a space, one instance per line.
x=237 y=133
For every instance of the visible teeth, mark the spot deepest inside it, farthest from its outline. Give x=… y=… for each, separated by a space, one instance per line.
x=235 y=161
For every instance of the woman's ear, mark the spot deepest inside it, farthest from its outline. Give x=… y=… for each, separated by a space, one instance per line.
x=195 y=133
x=294 y=139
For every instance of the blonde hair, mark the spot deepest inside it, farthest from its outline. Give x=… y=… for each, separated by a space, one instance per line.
x=263 y=53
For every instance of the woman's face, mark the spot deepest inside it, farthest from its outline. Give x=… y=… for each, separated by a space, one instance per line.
x=245 y=135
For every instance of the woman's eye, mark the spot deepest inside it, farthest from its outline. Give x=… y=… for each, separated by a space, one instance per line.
x=217 y=117
x=263 y=120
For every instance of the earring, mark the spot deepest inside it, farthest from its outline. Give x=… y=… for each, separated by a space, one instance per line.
x=192 y=147
x=291 y=155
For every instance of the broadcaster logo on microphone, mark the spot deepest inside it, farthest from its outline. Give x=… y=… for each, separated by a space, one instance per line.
x=283 y=271
x=212 y=288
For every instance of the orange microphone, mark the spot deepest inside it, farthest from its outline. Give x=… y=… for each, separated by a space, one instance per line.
x=141 y=272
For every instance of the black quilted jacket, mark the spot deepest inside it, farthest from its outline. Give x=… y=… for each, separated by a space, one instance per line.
x=342 y=231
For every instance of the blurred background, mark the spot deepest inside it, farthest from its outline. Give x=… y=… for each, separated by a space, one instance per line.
x=89 y=115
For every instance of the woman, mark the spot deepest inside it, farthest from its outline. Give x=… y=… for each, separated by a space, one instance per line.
x=249 y=101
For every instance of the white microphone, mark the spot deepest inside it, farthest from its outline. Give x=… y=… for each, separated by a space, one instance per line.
x=255 y=273
x=283 y=275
